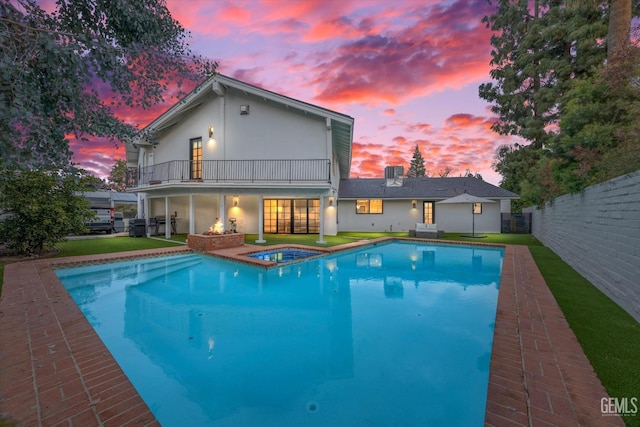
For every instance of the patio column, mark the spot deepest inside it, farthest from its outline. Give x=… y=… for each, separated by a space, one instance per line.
x=167 y=219
x=192 y=215
x=146 y=215
x=321 y=235
x=260 y=219
x=221 y=210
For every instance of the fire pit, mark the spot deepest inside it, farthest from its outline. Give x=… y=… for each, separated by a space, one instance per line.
x=215 y=238
x=216 y=228
x=212 y=242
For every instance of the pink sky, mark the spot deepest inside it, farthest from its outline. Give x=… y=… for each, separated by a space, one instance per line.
x=408 y=71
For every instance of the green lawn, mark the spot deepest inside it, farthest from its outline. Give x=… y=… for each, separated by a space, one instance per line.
x=108 y=245
x=609 y=336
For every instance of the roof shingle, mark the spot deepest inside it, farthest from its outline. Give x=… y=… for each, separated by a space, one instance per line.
x=421 y=188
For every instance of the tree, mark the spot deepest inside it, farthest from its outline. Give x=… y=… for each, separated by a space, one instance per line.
x=42 y=208
x=619 y=27
x=536 y=54
x=598 y=138
x=416 y=169
x=513 y=162
x=443 y=173
x=53 y=63
x=118 y=176
x=469 y=174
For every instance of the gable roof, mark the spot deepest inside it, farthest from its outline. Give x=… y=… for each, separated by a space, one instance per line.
x=421 y=188
x=341 y=124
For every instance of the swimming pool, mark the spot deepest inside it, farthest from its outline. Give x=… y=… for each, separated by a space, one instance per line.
x=284 y=255
x=393 y=334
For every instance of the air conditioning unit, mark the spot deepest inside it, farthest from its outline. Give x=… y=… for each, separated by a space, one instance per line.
x=394 y=175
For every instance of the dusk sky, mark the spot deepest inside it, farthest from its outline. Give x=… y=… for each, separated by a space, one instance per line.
x=407 y=71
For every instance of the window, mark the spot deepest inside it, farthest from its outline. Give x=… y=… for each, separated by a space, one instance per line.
x=196 y=158
x=428 y=212
x=369 y=206
x=477 y=208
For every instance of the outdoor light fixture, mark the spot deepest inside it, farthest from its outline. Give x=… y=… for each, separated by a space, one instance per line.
x=414 y=204
x=244 y=110
x=330 y=201
x=211 y=130
x=235 y=201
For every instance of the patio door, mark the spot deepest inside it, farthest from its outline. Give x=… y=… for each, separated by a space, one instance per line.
x=428 y=212
x=196 y=158
x=291 y=216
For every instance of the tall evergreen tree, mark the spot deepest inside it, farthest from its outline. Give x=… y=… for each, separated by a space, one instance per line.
x=537 y=51
x=416 y=169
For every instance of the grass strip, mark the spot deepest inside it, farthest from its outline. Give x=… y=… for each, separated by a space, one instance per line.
x=609 y=336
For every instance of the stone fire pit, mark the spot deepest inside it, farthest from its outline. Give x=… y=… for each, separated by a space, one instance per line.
x=212 y=242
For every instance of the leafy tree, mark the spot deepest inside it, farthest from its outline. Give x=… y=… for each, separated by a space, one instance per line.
x=598 y=137
x=42 y=208
x=118 y=175
x=416 y=169
x=53 y=63
x=513 y=162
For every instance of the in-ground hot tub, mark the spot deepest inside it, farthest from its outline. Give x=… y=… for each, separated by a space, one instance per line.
x=284 y=254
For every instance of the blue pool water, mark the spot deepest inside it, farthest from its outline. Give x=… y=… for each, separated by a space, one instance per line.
x=284 y=255
x=392 y=334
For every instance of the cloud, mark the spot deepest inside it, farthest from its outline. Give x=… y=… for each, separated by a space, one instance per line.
x=443 y=46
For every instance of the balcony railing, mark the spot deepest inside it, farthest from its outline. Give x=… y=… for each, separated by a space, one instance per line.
x=232 y=171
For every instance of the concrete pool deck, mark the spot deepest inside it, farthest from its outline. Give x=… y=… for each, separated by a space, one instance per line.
x=55 y=370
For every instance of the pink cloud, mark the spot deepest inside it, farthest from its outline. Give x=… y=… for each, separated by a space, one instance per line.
x=446 y=47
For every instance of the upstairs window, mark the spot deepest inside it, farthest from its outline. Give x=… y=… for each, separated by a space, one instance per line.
x=369 y=206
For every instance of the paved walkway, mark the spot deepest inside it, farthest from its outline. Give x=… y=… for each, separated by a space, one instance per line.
x=54 y=370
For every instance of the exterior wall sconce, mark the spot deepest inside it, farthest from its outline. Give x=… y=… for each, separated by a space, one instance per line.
x=235 y=201
x=330 y=201
x=414 y=204
x=211 y=138
x=244 y=110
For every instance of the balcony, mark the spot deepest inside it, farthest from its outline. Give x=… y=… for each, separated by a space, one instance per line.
x=232 y=172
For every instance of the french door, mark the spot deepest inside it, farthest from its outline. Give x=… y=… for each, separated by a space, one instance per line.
x=292 y=216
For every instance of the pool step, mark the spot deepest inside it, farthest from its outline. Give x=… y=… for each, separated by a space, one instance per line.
x=153 y=268
x=147 y=268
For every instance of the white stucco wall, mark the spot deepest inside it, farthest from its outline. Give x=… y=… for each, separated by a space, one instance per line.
x=597 y=232
x=269 y=131
x=400 y=216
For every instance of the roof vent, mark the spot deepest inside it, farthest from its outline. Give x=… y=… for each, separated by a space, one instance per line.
x=393 y=175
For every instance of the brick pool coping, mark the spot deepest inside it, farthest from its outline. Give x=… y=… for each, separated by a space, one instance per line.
x=55 y=370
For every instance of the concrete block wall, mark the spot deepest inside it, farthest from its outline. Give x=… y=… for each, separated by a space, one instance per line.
x=597 y=232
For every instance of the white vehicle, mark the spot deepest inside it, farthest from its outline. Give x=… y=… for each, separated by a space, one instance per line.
x=102 y=221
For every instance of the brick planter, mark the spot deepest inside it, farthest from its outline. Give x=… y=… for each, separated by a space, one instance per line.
x=214 y=242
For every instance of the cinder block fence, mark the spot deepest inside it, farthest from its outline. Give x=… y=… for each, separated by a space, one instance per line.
x=597 y=232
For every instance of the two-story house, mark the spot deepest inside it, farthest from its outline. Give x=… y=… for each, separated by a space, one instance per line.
x=257 y=160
